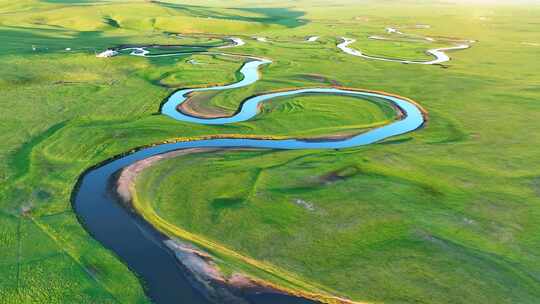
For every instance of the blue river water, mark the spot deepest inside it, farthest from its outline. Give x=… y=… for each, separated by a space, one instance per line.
x=140 y=246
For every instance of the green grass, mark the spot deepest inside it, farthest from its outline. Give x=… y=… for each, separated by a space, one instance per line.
x=368 y=214
x=315 y=115
x=396 y=49
x=447 y=214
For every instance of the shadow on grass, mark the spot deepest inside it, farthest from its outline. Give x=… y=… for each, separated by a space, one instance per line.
x=278 y=16
x=28 y=40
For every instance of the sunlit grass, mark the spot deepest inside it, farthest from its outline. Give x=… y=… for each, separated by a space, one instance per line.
x=447 y=214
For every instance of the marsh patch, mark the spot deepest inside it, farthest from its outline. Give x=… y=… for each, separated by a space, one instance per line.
x=339 y=174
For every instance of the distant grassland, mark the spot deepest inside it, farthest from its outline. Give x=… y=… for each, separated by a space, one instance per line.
x=146 y=16
x=448 y=214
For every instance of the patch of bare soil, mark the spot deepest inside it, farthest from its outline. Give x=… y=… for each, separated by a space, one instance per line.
x=205 y=275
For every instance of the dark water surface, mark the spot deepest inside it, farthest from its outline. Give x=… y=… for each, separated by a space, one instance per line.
x=141 y=247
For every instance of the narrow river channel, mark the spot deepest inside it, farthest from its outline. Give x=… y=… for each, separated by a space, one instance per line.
x=141 y=247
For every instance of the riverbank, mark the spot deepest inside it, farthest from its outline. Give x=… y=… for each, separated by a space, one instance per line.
x=201 y=266
x=445 y=215
x=412 y=117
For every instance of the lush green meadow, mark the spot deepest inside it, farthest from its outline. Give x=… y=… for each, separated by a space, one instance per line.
x=447 y=214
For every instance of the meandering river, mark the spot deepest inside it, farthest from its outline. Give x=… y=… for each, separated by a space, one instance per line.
x=439 y=54
x=140 y=246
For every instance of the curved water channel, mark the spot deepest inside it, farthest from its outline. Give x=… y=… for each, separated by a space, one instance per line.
x=439 y=54
x=142 y=247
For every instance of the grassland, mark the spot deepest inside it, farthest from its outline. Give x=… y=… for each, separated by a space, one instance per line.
x=448 y=214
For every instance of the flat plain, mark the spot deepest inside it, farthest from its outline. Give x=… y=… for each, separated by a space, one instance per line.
x=447 y=214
